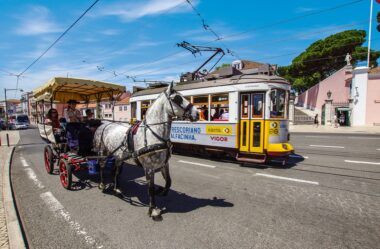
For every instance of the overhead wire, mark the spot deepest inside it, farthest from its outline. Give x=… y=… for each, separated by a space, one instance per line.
x=262 y=58
x=257 y=28
x=208 y=28
x=313 y=13
x=298 y=52
x=305 y=34
x=218 y=38
x=58 y=39
x=270 y=57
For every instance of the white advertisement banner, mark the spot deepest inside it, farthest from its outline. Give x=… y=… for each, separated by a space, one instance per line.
x=213 y=134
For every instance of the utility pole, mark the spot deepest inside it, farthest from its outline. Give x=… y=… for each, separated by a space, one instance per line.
x=6 y=109
x=369 y=34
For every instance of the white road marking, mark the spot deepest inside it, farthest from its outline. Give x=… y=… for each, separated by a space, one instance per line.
x=287 y=178
x=199 y=164
x=299 y=156
x=377 y=149
x=24 y=163
x=59 y=211
x=32 y=176
x=376 y=138
x=361 y=162
x=326 y=146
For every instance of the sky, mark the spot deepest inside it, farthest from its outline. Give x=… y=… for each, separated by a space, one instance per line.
x=118 y=41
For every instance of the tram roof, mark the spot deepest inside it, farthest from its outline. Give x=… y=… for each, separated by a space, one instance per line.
x=63 y=89
x=238 y=79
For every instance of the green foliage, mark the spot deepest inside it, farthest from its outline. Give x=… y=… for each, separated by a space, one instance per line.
x=223 y=65
x=326 y=56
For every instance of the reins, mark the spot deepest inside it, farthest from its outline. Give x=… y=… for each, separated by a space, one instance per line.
x=128 y=143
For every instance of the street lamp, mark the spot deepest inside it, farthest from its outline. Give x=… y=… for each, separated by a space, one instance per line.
x=329 y=94
x=6 y=104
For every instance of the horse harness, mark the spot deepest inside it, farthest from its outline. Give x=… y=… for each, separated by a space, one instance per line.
x=128 y=145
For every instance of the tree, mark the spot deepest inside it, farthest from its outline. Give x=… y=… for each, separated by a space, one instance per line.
x=326 y=56
x=223 y=65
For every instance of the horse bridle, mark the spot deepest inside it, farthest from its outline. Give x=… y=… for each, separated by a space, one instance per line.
x=166 y=144
x=186 y=110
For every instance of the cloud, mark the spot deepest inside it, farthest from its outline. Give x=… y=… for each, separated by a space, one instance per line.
x=132 y=11
x=37 y=21
x=110 y=32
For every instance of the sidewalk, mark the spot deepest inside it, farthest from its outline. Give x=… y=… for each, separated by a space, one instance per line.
x=10 y=233
x=331 y=129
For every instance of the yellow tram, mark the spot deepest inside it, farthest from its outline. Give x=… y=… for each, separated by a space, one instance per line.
x=244 y=116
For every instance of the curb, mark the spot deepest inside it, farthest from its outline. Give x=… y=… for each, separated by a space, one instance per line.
x=15 y=236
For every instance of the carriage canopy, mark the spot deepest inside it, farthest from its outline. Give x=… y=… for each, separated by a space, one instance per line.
x=63 y=89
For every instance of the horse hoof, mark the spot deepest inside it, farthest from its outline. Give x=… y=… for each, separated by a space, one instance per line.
x=118 y=192
x=156 y=212
x=101 y=186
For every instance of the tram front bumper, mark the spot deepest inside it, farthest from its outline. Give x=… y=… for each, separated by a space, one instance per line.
x=280 y=150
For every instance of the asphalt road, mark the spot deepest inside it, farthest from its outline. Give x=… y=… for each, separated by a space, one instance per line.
x=328 y=197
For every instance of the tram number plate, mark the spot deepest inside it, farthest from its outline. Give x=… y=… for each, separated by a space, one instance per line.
x=274 y=129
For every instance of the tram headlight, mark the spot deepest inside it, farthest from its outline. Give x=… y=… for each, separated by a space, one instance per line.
x=285 y=146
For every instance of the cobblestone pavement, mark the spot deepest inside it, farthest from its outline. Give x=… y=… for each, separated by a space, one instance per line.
x=3 y=225
x=5 y=152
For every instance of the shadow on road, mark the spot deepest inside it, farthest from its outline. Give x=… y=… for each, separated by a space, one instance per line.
x=135 y=192
x=277 y=164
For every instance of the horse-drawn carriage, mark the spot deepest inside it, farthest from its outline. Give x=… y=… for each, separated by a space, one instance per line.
x=63 y=146
x=148 y=142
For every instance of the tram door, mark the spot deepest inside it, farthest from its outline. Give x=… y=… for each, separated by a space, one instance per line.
x=252 y=122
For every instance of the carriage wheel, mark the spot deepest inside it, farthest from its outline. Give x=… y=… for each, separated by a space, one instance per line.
x=49 y=159
x=65 y=174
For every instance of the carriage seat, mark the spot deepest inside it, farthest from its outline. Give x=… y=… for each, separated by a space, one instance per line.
x=72 y=135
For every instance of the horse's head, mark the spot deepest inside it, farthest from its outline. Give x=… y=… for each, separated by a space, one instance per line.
x=179 y=106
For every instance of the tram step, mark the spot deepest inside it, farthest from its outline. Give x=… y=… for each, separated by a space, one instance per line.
x=242 y=158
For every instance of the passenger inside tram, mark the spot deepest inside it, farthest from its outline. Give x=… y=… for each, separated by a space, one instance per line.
x=217 y=113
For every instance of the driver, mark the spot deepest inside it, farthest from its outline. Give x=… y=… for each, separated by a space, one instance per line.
x=71 y=114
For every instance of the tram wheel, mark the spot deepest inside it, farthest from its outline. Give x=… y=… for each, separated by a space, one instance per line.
x=49 y=159
x=65 y=174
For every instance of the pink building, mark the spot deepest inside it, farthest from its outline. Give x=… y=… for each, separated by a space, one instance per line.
x=352 y=95
x=120 y=111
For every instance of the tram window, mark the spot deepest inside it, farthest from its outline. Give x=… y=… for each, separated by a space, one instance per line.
x=201 y=103
x=144 y=107
x=133 y=108
x=257 y=105
x=219 y=107
x=277 y=98
x=244 y=105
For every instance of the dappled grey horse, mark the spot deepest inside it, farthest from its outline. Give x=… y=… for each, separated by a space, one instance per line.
x=150 y=146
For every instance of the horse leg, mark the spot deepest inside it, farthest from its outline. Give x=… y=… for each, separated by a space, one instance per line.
x=168 y=181
x=102 y=166
x=118 y=165
x=153 y=211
